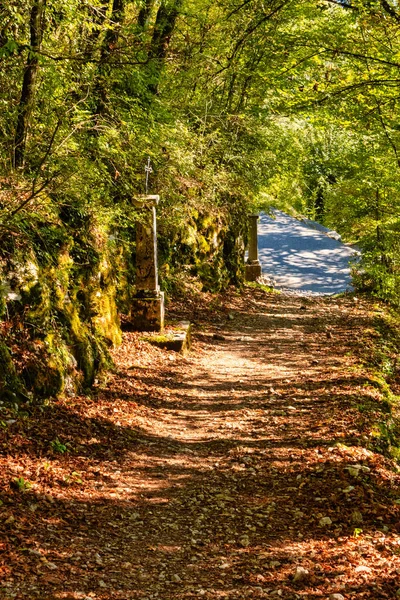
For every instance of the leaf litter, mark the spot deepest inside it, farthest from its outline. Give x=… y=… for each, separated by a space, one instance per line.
x=243 y=470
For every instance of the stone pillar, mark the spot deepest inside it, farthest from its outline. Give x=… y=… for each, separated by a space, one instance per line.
x=253 y=265
x=147 y=310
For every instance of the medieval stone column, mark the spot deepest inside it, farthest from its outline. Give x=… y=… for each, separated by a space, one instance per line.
x=253 y=265
x=147 y=308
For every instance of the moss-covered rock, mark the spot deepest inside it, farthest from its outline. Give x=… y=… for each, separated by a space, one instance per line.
x=210 y=242
x=66 y=277
x=44 y=372
x=59 y=298
x=11 y=387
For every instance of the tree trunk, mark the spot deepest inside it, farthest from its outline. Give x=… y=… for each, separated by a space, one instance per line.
x=144 y=13
x=26 y=101
x=108 y=46
x=97 y=18
x=164 y=26
x=319 y=204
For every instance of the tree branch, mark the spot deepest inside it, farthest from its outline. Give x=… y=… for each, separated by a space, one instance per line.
x=249 y=31
x=87 y=60
x=46 y=154
x=27 y=200
x=349 y=88
x=390 y=10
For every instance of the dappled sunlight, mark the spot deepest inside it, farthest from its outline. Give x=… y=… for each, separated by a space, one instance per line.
x=217 y=475
x=297 y=256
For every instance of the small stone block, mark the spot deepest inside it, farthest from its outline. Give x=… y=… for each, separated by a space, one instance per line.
x=183 y=337
x=147 y=314
x=253 y=271
x=178 y=340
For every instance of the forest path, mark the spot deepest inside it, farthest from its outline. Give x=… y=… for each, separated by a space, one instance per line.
x=237 y=472
x=303 y=255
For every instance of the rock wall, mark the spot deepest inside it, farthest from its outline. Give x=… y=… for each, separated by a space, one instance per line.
x=208 y=245
x=58 y=302
x=65 y=279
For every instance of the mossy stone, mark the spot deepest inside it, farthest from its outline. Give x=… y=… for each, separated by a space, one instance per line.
x=11 y=387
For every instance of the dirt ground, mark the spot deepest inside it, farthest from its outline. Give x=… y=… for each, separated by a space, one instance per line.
x=246 y=469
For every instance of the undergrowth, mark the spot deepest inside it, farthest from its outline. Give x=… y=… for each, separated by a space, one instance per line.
x=380 y=355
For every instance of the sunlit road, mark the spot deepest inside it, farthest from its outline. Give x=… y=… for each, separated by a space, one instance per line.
x=299 y=257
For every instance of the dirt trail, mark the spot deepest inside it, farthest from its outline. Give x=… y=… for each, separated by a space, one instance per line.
x=240 y=471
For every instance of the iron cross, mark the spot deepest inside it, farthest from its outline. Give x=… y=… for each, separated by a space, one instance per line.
x=148 y=169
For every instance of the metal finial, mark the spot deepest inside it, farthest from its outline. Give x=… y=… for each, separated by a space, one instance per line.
x=148 y=169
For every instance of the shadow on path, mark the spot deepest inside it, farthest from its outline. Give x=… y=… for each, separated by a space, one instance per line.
x=215 y=476
x=296 y=256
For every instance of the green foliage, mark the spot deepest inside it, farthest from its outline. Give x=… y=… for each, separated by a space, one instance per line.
x=21 y=484
x=241 y=106
x=380 y=356
x=11 y=387
x=58 y=446
x=261 y=286
x=73 y=478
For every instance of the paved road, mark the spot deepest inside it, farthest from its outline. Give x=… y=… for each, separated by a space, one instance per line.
x=299 y=257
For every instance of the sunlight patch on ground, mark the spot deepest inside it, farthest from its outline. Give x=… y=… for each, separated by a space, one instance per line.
x=299 y=257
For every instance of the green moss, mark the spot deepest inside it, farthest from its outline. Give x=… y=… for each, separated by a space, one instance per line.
x=203 y=245
x=213 y=244
x=157 y=339
x=380 y=357
x=260 y=286
x=190 y=236
x=82 y=344
x=45 y=372
x=45 y=378
x=38 y=299
x=68 y=305
x=207 y=222
x=11 y=387
x=107 y=321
